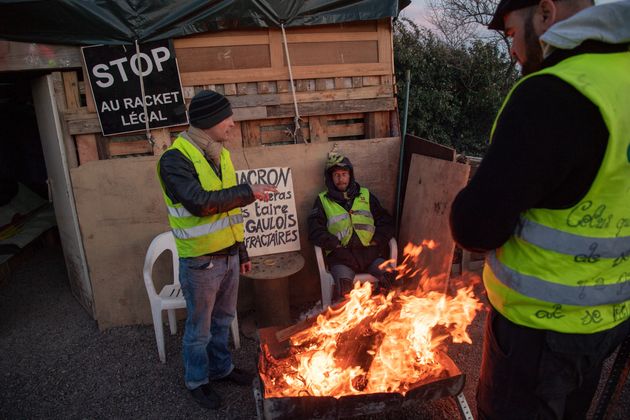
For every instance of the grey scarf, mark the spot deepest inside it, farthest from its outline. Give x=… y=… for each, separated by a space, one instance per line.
x=211 y=148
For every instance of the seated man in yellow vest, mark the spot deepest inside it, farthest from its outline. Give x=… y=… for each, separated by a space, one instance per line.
x=203 y=202
x=351 y=226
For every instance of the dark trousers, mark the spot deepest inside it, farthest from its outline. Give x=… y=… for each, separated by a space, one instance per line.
x=539 y=374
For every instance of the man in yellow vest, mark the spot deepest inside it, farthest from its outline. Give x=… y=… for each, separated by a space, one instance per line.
x=203 y=202
x=550 y=204
x=350 y=225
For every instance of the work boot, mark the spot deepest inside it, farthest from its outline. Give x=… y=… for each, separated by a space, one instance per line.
x=206 y=397
x=238 y=377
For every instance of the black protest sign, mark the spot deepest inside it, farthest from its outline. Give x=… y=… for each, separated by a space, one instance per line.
x=270 y=227
x=114 y=75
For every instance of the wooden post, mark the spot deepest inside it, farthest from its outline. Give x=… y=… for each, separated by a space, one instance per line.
x=318 y=129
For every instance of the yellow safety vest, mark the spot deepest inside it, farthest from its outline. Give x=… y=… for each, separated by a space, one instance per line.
x=342 y=223
x=195 y=235
x=568 y=270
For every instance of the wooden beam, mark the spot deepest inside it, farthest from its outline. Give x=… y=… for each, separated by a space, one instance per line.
x=299 y=72
x=235 y=139
x=377 y=125
x=60 y=103
x=276 y=50
x=332 y=107
x=384 y=41
x=20 y=56
x=267 y=87
x=350 y=116
x=380 y=91
x=82 y=123
x=325 y=84
x=343 y=82
x=305 y=85
x=71 y=90
x=371 y=80
x=332 y=37
x=251 y=113
x=121 y=148
x=318 y=129
x=213 y=41
x=251 y=133
x=89 y=98
x=246 y=88
x=343 y=130
x=283 y=86
x=230 y=89
x=86 y=148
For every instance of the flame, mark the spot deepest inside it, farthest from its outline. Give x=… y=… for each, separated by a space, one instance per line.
x=373 y=342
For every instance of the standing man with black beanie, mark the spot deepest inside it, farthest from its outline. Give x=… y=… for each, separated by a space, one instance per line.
x=203 y=201
x=550 y=204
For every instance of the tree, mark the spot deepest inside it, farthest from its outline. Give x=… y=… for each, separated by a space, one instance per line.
x=456 y=90
x=461 y=22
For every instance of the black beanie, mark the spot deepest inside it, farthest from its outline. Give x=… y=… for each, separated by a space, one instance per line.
x=208 y=108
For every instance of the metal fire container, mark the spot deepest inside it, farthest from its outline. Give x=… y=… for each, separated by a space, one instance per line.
x=449 y=383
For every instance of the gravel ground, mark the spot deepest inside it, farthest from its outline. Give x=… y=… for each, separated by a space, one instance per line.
x=56 y=364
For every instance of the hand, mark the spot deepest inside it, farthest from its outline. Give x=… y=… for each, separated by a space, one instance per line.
x=261 y=191
x=246 y=267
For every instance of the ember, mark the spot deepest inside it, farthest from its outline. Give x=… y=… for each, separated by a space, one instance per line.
x=373 y=343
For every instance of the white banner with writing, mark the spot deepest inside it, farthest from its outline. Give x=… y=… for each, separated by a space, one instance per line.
x=270 y=227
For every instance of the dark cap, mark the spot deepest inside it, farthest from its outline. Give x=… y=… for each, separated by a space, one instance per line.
x=506 y=6
x=208 y=108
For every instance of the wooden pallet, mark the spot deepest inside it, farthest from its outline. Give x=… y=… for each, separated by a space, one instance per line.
x=343 y=79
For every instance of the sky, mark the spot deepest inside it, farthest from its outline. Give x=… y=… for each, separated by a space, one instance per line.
x=418 y=10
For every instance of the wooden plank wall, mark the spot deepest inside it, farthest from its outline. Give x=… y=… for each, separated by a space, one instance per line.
x=343 y=78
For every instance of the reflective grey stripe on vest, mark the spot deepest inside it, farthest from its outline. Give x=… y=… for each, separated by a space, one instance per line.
x=571 y=244
x=178 y=212
x=361 y=226
x=362 y=213
x=201 y=230
x=578 y=295
x=336 y=219
x=343 y=234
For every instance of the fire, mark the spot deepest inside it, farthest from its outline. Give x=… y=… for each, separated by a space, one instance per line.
x=373 y=343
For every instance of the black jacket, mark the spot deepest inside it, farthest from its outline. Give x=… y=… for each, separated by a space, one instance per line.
x=545 y=153
x=354 y=255
x=183 y=186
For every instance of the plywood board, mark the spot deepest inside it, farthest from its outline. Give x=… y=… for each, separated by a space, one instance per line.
x=223 y=58
x=431 y=188
x=335 y=52
x=115 y=261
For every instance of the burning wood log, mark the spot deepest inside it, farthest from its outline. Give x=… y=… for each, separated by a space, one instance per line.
x=357 y=347
x=369 y=344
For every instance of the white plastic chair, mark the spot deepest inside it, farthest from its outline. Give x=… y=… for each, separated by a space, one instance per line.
x=326 y=279
x=171 y=296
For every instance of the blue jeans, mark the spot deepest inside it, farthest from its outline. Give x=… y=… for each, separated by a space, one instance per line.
x=210 y=287
x=344 y=277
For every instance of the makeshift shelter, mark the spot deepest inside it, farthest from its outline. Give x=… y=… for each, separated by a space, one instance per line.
x=104 y=188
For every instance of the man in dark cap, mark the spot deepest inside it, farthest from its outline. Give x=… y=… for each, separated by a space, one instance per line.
x=549 y=204
x=350 y=225
x=203 y=202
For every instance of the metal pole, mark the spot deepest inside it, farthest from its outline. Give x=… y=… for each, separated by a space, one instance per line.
x=403 y=135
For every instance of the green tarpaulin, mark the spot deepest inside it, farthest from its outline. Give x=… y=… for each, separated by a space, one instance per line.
x=82 y=22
